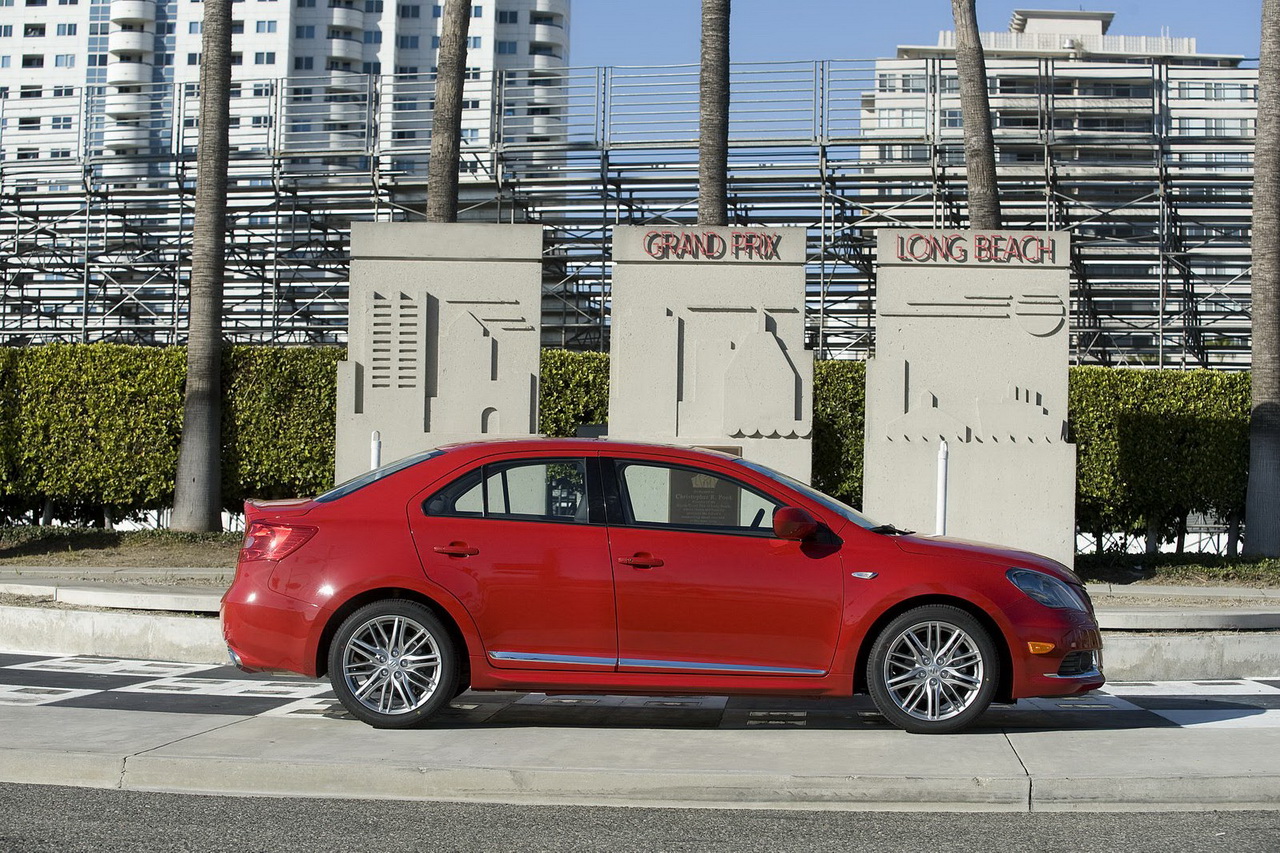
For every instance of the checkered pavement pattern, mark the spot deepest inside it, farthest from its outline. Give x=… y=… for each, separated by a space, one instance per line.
x=160 y=686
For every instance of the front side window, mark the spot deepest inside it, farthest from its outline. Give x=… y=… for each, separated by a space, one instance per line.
x=527 y=490
x=689 y=498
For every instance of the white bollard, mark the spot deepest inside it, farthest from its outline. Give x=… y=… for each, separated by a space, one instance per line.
x=940 y=519
x=375 y=450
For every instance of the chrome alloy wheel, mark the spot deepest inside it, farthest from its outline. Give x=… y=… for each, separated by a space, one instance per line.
x=391 y=664
x=933 y=670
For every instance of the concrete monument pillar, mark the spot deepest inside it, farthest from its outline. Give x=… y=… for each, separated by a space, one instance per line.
x=708 y=342
x=972 y=335
x=444 y=338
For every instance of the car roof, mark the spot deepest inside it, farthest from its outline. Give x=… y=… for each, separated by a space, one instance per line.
x=540 y=443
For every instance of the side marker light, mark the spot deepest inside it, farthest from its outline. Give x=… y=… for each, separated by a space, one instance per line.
x=1040 y=648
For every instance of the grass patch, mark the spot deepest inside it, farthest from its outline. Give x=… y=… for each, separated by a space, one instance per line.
x=63 y=546
x=1179 y=569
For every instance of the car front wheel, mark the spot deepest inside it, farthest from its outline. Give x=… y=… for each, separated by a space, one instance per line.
x=392 y=664
x=933 y=670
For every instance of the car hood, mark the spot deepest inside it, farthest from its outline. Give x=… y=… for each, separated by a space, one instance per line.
x=940 y=546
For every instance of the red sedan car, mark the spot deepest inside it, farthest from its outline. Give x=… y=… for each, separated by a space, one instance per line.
x=587 y=566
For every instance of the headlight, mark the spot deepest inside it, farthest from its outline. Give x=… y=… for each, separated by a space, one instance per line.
x=1047 y=589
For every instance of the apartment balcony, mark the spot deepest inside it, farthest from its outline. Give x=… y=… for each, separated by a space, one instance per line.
x=129 y=73
x=133 y=11
x=347 y=19
x=347 y=50
x=125 y=104
x=131 y=41
x=125 y=136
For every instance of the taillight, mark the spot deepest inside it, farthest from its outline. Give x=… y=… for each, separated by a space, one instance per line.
x=268 y=540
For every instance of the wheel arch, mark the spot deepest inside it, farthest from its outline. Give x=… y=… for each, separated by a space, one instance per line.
x=1004 y=689
x=369 y=596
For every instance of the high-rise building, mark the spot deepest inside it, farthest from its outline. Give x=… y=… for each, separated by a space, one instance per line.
x=102 y=73
x=1139 y=146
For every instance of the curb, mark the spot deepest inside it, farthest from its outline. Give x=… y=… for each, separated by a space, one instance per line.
x=198 y=639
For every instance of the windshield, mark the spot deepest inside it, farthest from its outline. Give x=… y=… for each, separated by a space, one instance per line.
x=359 y=482
x=813 y=494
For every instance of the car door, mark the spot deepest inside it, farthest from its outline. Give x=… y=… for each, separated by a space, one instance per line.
x=523 y=545
x=704 y=586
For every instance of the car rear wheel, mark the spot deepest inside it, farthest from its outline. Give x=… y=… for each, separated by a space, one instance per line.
x=392 y=664
x=933 y=670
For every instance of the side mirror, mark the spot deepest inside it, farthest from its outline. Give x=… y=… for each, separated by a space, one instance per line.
x=792 y=522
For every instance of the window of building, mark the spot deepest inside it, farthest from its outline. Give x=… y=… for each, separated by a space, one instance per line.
x=31 y=92
x=29 y=123
x=406 y=69
x=33 y=31
x=371 y=68
x=470 y=134
x=508 y=16
x=337 y=65
x=373 y=5
x=97 y=60
x=60 y=122
x=473 y=42
x=306 y=4
x=28 y=153
x=64 y=91
x=60 y=153
x=373 y=36
x=68 y=2
x=265 y=26
x=264 y=57
x=237 y=27
x=66 y=29
x=6 y=30
x=33 y=60
x=507 y=47
x=194 y=27
x=4 y=62
x=408 y=11
x=409 y=42
x=65 y=60
x=477 y=11
x=37 y=2
x=193 y=59
x=304 y=32
x=304 y=63
x=261 y=121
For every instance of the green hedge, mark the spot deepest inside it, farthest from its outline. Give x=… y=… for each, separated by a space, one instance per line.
x=88 y=425
x=1153 y=445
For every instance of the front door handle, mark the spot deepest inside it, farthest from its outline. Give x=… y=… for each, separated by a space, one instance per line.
x=642 y=560
x=457 y=549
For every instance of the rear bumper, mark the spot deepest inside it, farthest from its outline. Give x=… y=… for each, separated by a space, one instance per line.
x=266 y=631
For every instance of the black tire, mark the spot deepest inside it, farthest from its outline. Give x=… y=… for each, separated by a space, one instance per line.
x=373 y=677
x=924 y=693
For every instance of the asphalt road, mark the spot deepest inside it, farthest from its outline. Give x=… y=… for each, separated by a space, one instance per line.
x=39 y=818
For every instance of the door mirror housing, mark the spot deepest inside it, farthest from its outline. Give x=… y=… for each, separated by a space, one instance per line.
x=792 y=522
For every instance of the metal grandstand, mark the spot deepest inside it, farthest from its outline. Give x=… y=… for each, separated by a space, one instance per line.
x=1147 y=164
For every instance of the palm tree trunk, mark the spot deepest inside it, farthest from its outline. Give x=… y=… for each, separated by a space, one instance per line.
x=1262 y=506
x=197 y=500
x=713 y=115
x=446 y=120
x=975 y=111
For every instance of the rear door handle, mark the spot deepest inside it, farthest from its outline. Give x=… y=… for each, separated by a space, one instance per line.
x=457 y=549
x=642 y=560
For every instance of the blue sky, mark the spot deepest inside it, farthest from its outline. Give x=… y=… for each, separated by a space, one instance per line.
x=665 y=32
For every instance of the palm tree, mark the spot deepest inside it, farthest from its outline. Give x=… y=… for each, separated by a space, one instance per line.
x=1262 y=521
x=197 y=500
x=975 y=110
x=713 y=112
x=446 y=120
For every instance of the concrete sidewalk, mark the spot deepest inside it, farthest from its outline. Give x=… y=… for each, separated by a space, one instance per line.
x=1051 y=769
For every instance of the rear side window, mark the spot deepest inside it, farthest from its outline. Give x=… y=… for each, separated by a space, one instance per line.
x=529 y=490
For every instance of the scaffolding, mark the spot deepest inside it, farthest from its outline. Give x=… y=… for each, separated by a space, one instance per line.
x=1147 y=164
